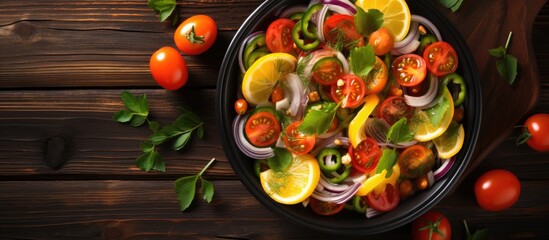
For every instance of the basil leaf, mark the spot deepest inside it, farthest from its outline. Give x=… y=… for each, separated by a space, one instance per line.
x=400 y=132
x=436 y=112
x=148 y=161
x=137 y=120
x=181 y=141
x=154 y=126
x=123 y=116
x=164 y=8
x=318 y=121
x=387 y=161
x=362 y=60
x=207 y=190
x=482 y=234
x=507 y=68
x=185 y=188
x=497 y=52
x=368 y=22
x=281 y=160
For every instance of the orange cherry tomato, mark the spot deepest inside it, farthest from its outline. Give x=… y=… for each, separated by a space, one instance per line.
x=240 y=106
x=297 y=142
x=382 y=41
x=377 y=78
x=195 y=35
x=168 y=68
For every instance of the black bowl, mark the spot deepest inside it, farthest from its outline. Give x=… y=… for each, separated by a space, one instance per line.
x=347 y=223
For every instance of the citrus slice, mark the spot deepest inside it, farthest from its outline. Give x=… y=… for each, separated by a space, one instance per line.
x=371 y=183
x=356 y=127
x=422 y=126
x=396 y=15
x=451 y=141
x=295 y=184
x=261 y=78
x=389 y=180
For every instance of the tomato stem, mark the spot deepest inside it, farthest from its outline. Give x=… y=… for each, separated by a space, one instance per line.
x=524 y=136
x=193 y=38
x=508 y=40
x=206 y=167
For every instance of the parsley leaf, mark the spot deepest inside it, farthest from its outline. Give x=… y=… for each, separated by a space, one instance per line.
x=317 y=121
x=136 y=112
x=281 y=159
x=387 y=161
x=362 y=60
x=451 y=4
x=164 y=9
x=506 y=64
x=400 y=132
x=185 y=188
x=368 y=22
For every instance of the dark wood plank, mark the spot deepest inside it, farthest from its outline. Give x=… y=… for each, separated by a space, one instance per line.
x=148 y=210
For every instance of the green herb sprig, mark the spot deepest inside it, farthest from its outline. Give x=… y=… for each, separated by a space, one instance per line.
x=165 y=9
x=185 y=188
x=451 y=4
x=367 y=22
x=362 y=60
x=317 y=121
x=399 y=132
x=506 y=64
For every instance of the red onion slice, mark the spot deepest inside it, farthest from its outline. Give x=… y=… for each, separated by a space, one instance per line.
x=321 y=17
x=324 y=143
x=347 y=5
x=412 y=35
x=246 y=147
x=425 y=99
x=340 y=9
x=443 y=169
x=370 y=212
x=411 y=47
x=432 y=28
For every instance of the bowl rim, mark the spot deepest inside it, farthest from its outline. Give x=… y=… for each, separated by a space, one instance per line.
x=225 y=114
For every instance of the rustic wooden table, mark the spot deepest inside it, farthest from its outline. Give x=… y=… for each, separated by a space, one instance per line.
x=67 y=170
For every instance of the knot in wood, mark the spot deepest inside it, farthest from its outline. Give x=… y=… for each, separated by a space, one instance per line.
x=24 y=30
x=57 y=152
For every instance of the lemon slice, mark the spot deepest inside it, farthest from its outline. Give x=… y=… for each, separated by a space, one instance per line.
x=261 y=78
x=389 y=180
x=424 y=129
x=371 y=183
x=356 y=130
x=295 y=184
x=451 y=141
x=396 y=15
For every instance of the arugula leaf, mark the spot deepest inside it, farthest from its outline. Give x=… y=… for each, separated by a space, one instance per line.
x=368 y=22
x=185 y=188
x=507 y=64
x=400 y=132
x=362 y=60
x=387 y=161
x=317 y=121
x=136 y=112
x=164 y=8
x=281 y=160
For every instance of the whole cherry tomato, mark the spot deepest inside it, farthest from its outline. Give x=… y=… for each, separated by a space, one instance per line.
x=382 y=41
x=432 y=225
x=168 y=68
x=497 y=190
x=195 y=35
x=536 y=132
x=240 y=106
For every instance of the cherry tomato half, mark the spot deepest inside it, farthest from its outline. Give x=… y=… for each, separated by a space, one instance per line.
x=279 y=36
x=432 y=223
x=536 y=132
x=325 y=208
x=409 y=70
x=327 y=70
x=297 y=142
x=497 y=190
x=168 y=68
x=415 y=161
x=365 y=156
x=377 y=78
x=262 y=129
x=195 y=35
x=382 y=41
x=394 y=108
x=349 y=90
x=384 y=201
x=341 y=29
x=441 y=58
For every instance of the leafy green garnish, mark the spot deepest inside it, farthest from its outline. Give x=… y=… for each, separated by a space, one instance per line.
x=451 y=4
x=362 y=60
x=185 y=188
x=318 y=120
x=436 y=112
x=482 y=234
x=400 y=132
x=137 y=113
x=506 y=64
x=387 y=161
x=281 y=160
x=165 y=9
x=368 y=22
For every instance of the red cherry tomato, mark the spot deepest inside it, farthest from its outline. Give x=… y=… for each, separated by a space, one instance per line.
x=279 y=36
x=409 y=70
x=195 y=35
x=394 y=108
x=536 y=132
x=262 y=129
x=240 y=106
x=432 y=225
x=384 y=201
x=340 y=29
x=441 y=58
x=415 y=161
x=168 y=68
x=497 y=190
x=327 y=70
x=325 y=208
x=349 y=90
x=365 y=156
x=297 y=142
